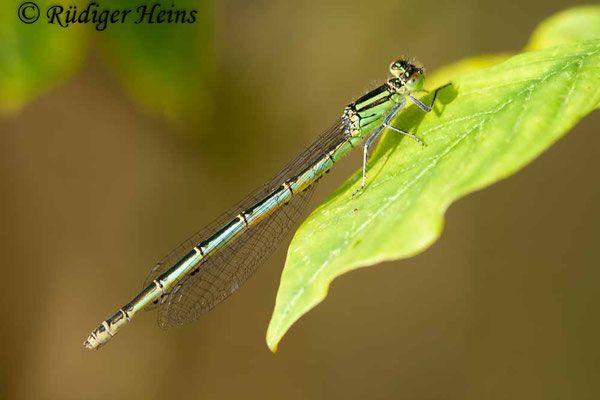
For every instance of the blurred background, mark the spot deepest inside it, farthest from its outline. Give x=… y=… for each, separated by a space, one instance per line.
x=117 y=145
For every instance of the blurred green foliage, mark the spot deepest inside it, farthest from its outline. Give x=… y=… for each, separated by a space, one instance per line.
x=165 y=67
x=35 y=57
x=494 y=120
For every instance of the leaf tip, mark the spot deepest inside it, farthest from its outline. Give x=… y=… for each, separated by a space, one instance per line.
x=272 y=342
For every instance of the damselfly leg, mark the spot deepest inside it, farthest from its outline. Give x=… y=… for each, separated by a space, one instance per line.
x=386 y=124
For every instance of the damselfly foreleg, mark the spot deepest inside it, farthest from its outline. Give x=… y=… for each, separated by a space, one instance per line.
x=430 y=107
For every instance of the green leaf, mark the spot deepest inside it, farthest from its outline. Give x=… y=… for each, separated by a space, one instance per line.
x=489 y=124
x=310 y=268
x=573 y=25
x=440 y=77
x=165 y=67
x=35 y=57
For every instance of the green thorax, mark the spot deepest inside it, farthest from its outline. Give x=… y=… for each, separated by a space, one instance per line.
x=371 y=109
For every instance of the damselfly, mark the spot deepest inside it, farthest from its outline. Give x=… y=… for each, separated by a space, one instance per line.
x=213 y=263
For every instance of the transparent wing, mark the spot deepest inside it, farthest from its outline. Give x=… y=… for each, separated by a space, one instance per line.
x=223 y=273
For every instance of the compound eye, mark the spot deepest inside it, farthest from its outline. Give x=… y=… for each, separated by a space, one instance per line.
x=397 y=69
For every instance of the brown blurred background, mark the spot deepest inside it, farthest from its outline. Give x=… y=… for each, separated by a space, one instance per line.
x=96 y=188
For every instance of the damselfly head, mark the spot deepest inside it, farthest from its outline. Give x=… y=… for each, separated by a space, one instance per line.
x=410 y=75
